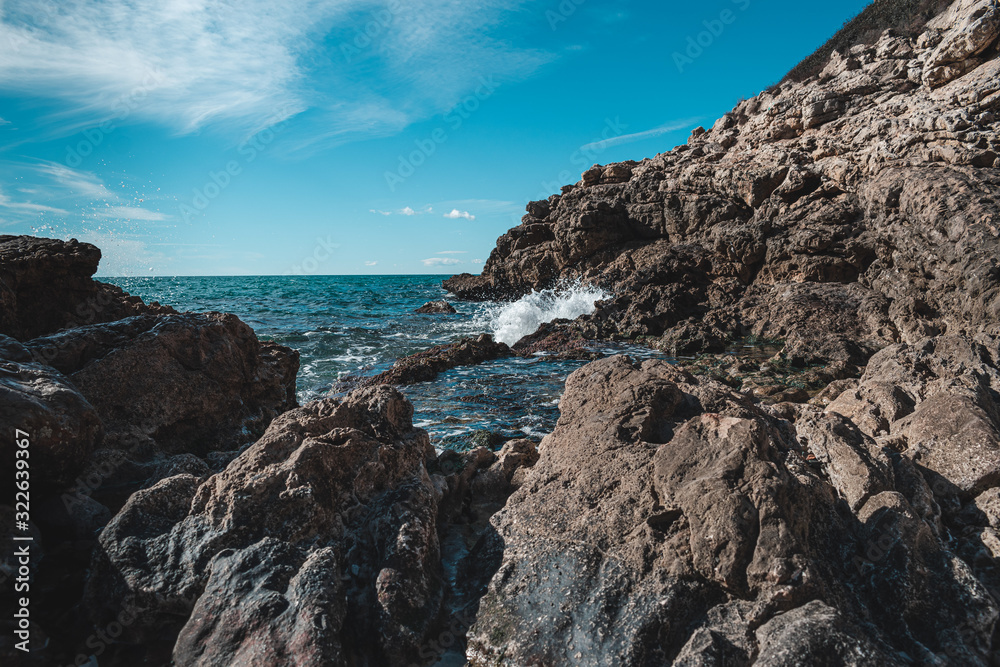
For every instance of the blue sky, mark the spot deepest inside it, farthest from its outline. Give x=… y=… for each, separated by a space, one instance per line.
x=197 y=137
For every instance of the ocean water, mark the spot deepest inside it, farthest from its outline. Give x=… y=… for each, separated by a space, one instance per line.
x=345 y=325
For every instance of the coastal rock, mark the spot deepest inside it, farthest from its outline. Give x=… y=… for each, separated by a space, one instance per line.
x=48 y=286
x=191 y=382
x=436 y=307
x=317 y=545
x=426 y=365
x=668 y=519
x=60 y=426
x=836 y=211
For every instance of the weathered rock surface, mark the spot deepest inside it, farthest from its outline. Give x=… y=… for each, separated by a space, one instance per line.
x=436 y=307
x=838 y=213
x=47 y=286
x=670 y=521
x=318 y=545
x=425 y=366
x=190 y=383
x=61 y=428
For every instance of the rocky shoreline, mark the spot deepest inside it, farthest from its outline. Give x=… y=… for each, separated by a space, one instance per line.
x=836 y=502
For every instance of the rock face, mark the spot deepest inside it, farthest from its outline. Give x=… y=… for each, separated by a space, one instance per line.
x=47 y=286
x=61 y=427
x=837 y=213
x=190 y=383
x=436 y=307
x=670 y=521
x=318 y=545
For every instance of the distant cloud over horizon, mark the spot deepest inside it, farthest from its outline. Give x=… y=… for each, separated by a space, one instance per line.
x=440 y=261
x=456 y=214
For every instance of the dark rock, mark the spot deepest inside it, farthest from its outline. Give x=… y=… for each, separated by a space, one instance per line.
x=436 y=307
x=191 y=382
x=47 y=286
x=425 y=366
x=59 y=426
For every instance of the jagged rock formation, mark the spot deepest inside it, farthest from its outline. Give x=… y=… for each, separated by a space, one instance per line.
x=318 y=545
x=671 y=521
x=840 y=213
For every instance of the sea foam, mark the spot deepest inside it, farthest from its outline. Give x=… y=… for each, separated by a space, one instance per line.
x=509 y=322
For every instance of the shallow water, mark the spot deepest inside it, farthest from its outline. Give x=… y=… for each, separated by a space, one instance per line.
x=345 y=325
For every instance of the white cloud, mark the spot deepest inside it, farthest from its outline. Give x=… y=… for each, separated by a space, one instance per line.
x=370 y=263
x=406 y=210
x=132 y=213
x=4 y=122
x=476 y=261
x=452 y=252
x=29 y=207
x=76 y=183
x=456 y=214
x=241 y=66
x=440 y=261
x=598 y=146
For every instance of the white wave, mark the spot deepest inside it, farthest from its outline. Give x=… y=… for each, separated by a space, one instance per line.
x=509 y=322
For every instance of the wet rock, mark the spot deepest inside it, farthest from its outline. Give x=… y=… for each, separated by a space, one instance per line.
x=436 y=307
x=425 y=366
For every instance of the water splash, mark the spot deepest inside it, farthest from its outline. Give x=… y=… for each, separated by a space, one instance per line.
x=509 y=322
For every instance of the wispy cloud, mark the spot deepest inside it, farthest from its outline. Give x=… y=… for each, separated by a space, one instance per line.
x=452 y=252
x=200 y=63
x=598 y=146
x=406 y=210
x=440 y=261
x=4 y=122
x=75 y=183
x=456 y=214
x=132 y=213
x=370 y=263
x=28 y=207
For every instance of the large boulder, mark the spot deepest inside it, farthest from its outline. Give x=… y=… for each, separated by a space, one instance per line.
x=47 y=286
x=670 y=521
x=318 y=545
x=47 y=412
x=190 y=383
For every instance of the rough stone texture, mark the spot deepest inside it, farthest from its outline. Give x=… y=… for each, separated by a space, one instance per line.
x=837 y=213
x=318 y=545
x=670 y=521
x=190 y=383
x=61 y=426
x=937 y=403
x=424 y=366
x=46 y=285
x=436 y=307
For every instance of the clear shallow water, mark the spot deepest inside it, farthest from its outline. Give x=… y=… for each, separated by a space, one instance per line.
x=345 y=325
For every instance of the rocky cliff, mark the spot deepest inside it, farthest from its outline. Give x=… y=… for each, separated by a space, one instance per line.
x=851 y=210
x=849 y=215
